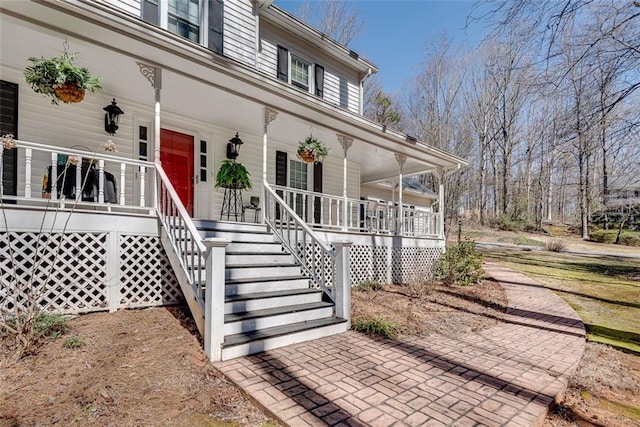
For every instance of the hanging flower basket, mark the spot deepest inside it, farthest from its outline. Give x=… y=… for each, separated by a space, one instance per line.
x=69 y=93
x=312 y=150
x=60 y=79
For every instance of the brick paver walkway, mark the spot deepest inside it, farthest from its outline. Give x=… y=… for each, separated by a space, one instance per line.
x=506 y=375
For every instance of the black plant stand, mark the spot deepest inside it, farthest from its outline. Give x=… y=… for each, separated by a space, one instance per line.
x=232 y=203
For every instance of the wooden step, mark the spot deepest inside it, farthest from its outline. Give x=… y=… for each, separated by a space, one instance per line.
x=242 y=344
x=263 y=284
x=256 y=271
x=236 y=323
x=273 y=299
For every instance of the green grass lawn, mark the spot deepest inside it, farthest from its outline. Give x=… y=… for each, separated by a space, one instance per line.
x=605 y=291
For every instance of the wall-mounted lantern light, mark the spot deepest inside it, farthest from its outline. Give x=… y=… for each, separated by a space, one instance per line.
x=233 y=147
x=112 y=117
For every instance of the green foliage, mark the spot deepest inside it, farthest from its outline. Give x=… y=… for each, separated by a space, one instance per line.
x=233 y=175
x=74 y=342
x=627 y=237
x=314 y=148
x=50 y=325
x=460 y=265
x=378 y=325
x=385 y=113
x=45 y=75
x=526 y=241
x=368 y=286
x=509 y=223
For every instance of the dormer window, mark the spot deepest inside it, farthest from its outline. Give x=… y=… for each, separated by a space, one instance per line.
x=299 y=72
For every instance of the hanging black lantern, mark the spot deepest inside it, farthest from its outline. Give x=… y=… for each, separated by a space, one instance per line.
x=233 y=147
x=112 y=117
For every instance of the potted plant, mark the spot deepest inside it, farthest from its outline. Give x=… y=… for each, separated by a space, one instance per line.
x=60 y=79
x=233 y=175
x=312 y=150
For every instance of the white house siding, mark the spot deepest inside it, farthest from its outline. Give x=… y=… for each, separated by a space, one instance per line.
x=385 y=193
x=240 y=31
x=341 y=85
x=129 y=6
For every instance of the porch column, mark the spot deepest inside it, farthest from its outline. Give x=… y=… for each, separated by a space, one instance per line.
x=400 y=224
x=154 y=76
x=441 y=202
x=269 y=116
x=346 y=143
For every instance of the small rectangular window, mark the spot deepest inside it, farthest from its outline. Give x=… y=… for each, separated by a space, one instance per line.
x=299 y=73
x=203 y=161
x=143 y=144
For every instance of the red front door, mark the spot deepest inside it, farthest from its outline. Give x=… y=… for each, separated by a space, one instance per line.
x=176 y=156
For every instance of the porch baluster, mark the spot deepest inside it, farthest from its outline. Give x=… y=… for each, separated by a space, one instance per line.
x=123 y=169
x=53 y=179
x=101 y=181
x=143 y=171
x=27 y=173
x=78 y=179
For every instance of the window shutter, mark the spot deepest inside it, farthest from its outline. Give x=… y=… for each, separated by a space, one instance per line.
x=9 y=124
x=281 y=175
x=281 y=168
x=216 y=25
x=317 y=188
x=319 y=80
x=151 y=11
x=283 y=64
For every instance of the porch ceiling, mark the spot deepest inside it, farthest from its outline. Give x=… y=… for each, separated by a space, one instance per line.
x=200 y=84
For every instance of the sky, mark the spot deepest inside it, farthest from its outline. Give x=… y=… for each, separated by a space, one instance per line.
x=397 y=33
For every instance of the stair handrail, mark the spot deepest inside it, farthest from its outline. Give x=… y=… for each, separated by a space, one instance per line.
x=181 y=230
x=315 y=267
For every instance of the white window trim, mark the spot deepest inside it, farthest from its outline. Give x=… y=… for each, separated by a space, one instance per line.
x=203 y=11
x=312 y=70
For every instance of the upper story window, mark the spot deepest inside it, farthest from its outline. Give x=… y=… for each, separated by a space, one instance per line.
x=300 y=72
x=200 y=21
x=184 y=18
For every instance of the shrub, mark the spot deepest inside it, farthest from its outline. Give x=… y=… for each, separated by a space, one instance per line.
x=50 y=325
x=74 y=342
x=460 y=265
x=420 y=288
x=377 y=325
x=555 y=245
x=368 y=286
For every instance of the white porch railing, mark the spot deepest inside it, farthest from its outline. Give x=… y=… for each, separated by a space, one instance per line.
x=371 y=216
x=199 y=265
x=316 y=258
x=67 y=176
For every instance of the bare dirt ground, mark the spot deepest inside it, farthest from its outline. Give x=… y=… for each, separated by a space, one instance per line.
x=138 y=368
x=147 y=367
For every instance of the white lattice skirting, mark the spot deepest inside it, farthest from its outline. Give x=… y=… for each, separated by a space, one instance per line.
x=392 y=265
x=384 y=264
x=85 y=272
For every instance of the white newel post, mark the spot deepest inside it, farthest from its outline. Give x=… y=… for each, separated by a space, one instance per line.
x=214 y=297
x=269 y=116
x=342 y=287
x=346 y=143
